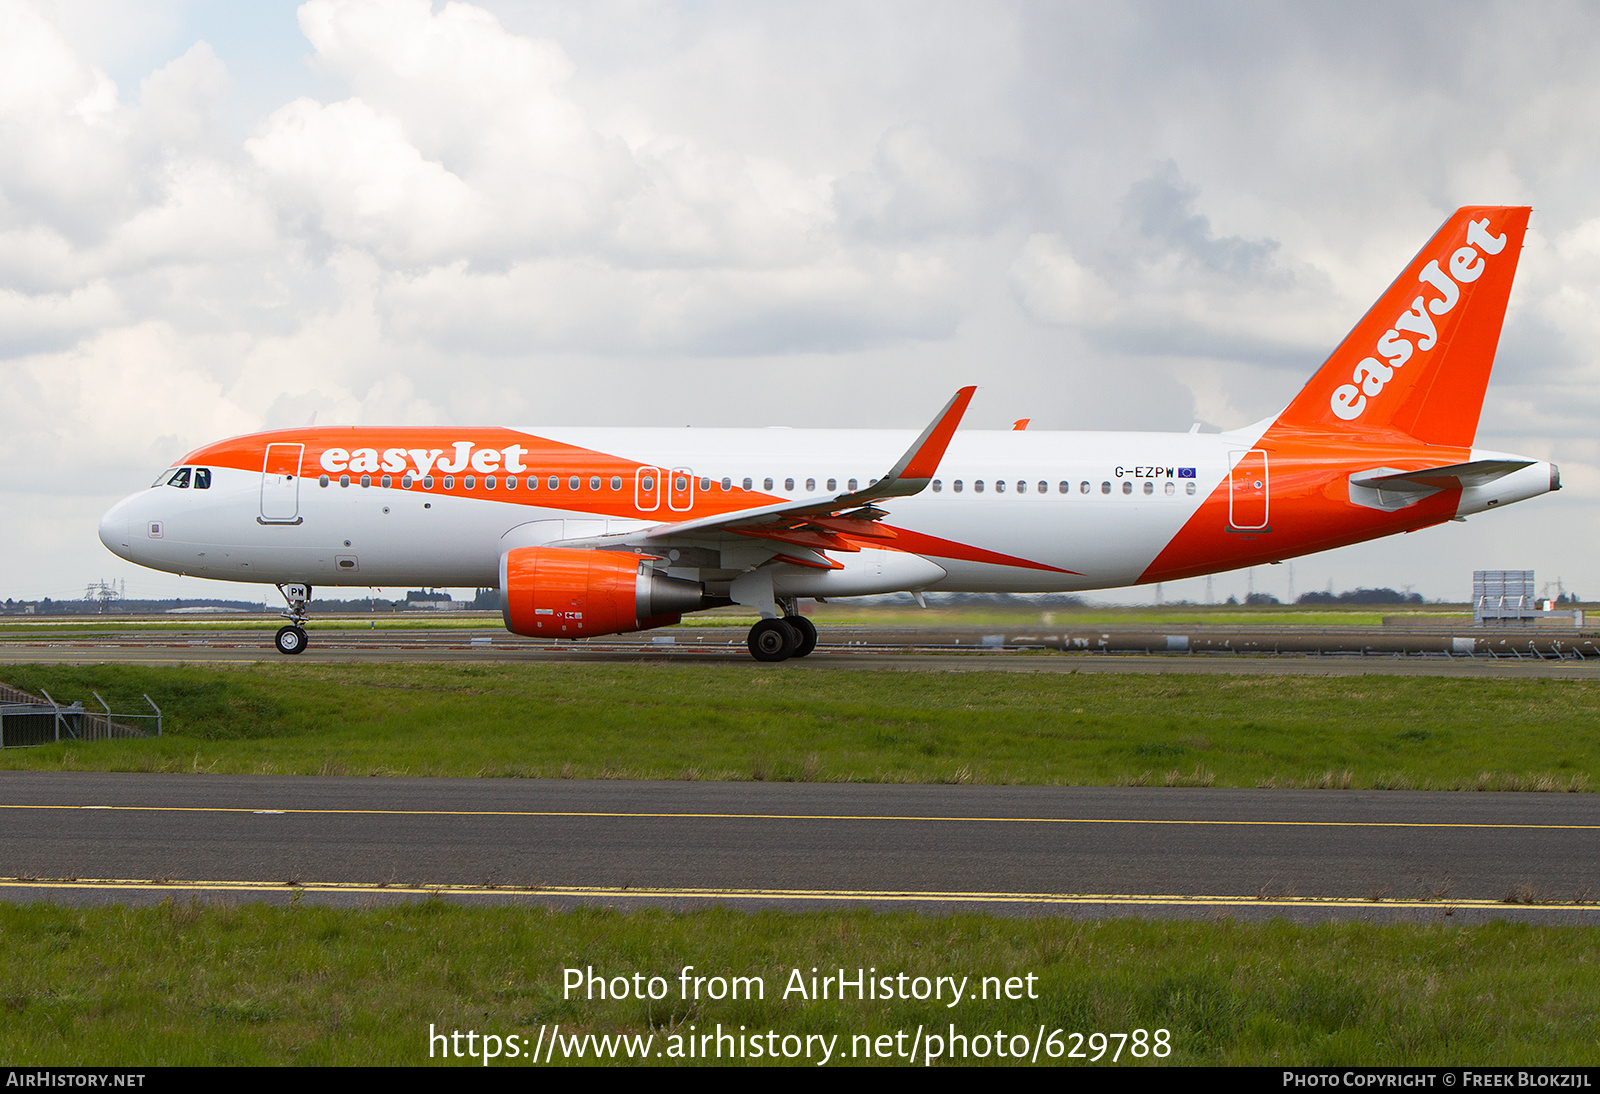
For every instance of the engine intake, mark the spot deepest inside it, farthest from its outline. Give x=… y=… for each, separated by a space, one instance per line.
x=562 y=592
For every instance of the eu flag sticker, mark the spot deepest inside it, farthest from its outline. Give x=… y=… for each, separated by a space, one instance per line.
x=1185 y=472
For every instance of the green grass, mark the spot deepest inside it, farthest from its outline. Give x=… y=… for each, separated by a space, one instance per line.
x=252 y=984
x=793 y=722
x=843 y=613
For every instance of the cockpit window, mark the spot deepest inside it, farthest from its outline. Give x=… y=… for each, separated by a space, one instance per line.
x=180 y=478
x=202 y=478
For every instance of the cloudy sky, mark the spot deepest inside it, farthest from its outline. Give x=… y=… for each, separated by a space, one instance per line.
x=219 y=217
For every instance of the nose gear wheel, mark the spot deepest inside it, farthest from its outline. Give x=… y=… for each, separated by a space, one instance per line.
x=293 y=639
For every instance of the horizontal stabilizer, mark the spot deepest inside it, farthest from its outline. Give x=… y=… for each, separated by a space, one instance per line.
x=1430 y=479
x=1390 y=490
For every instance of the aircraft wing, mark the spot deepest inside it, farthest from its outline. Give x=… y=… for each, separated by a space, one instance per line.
x=805 y=527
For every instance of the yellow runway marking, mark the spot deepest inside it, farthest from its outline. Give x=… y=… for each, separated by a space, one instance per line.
x=600 y=815
x=648 y=893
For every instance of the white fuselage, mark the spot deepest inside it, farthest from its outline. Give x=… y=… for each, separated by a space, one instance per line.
x=1071 y=510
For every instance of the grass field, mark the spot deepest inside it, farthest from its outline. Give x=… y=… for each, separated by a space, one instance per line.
x=789 y=722
x=218 y=984
x=844 y=613
x=223 y=983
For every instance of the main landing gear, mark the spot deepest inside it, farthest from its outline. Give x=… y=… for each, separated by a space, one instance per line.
x=780 y=639
x=293 y=638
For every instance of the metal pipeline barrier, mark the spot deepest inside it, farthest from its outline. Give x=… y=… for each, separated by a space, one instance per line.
x=1542 y=644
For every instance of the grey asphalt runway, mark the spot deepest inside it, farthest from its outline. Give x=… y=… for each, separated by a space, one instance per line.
x=1305 y=855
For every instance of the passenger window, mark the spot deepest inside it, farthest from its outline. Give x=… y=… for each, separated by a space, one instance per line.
x=511 y=482
x=344 y=480
x=1127 y=487
x=616 y=482
x=405 y=482
x=1149 y=487
x=555 y=482
x=977 y=486
x=999 y=486
x=1083 y=488
x=323 y=481
x=727 y=484
x=748 y=484
x=202 y=478
x=937 y=486
x=1064 y=487
x=427 y=482
x=1105 y=488
x=788 y=484
x=1044 y=487
x=488 y=482
x=468 y=482
x=574 y=482
x=180 y=478
x=449 y=482
x=833 y=484
x=1188 y=487
x=705 y=484
x=387 y=482
x=1170 y=489
x=366 y=481
x=766 y=484
x=851 y=485
x=1022 y=487
x=594 y=482
x=811 y=484
x=956 y=486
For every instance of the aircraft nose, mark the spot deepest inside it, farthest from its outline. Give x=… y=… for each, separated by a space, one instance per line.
x=116 y=528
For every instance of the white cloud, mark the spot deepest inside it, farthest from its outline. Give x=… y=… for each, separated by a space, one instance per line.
x=764 y=212
x=1166 y=284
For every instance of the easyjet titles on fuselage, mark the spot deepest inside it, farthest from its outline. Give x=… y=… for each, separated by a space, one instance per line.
x=424 y=461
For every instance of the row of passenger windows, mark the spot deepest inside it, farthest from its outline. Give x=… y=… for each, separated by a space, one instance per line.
x=596 y=483
x=571 y=482
x=1063 y=487
x=490 y=482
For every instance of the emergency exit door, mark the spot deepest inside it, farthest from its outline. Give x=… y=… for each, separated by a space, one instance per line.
x=1248 y=491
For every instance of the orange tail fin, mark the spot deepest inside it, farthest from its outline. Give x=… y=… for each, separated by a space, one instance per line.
x=1419 y=361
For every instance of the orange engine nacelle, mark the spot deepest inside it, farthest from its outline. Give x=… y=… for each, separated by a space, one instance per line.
x=563 y=592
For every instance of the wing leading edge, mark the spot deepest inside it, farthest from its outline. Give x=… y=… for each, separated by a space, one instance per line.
x=804 y=528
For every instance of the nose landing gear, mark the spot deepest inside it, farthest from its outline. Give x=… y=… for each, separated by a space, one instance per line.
x=293 y=638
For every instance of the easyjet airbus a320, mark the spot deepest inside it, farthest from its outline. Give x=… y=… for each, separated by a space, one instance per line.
x=598 y=531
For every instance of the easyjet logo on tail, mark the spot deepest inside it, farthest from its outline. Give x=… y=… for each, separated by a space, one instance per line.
x=1395 y=348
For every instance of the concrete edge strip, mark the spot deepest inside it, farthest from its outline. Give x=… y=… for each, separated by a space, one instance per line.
x=704 y=893
x=600 y=815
